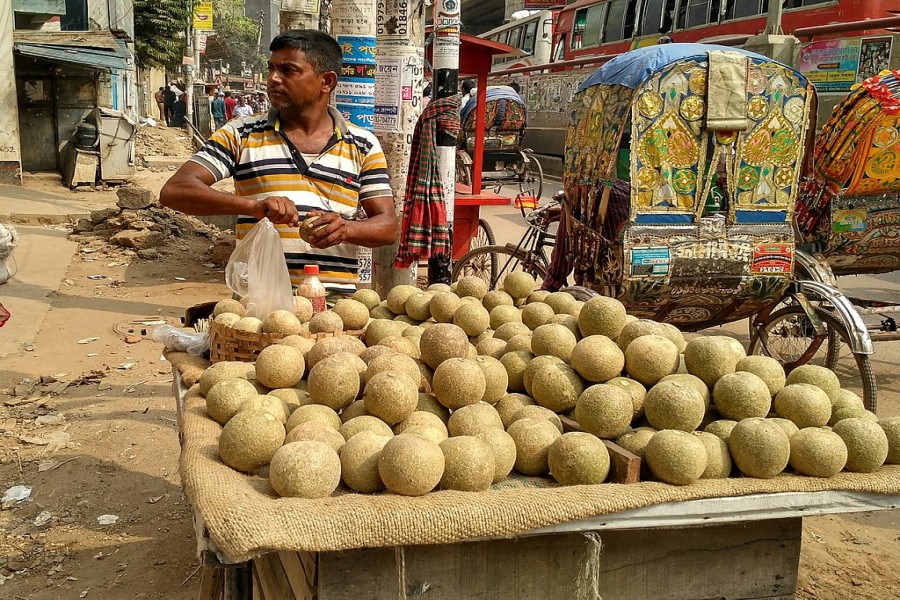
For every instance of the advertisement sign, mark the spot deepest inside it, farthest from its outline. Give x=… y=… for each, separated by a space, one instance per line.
x=772 y=259
x=203 y=16
x=836 y=65
x=355 y=93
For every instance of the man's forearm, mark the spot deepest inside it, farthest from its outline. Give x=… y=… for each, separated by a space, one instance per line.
x=374 y=232
x=193 y=197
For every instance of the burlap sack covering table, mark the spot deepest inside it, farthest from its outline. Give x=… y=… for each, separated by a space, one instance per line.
x=245 y=518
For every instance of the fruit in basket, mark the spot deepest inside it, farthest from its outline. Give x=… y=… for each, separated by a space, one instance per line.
x=423 y=419
x=533 y=438
x=515 y=364
x=441 y=342
x=303 y=344
x=472 y=318
x=692 y=380
x=674 y=335
x=397 y=297
x=303 y=308
x=818 y=452
x=510 y=404
x=553 y=340
x=469 y=419
x=636 y=440
x=410 y=465
x=362 y=423
x=391 y=396
x=354 y=315
x=221 y=371
x=519 y=284
x=789 y=427
x=229 y=305
x=334 y=381
x=602 y=316
x=736 y=347
x=721 y=428
x=676 y=457
x=560 y=302
x=330 y=346
x=250 y=439
x=718 y=458
x=805 y=404
x=891 y=429
x=817 y=376
x=402 y=344
x=502 y=447
x=674 y=405
x=852 y=413
x=251 y=324
x=604 y=410
x=635 y=329
x=508 y=331
x=759 y=447
x=597 y=358
x=504 y=314
x=468 y=464
x=557 y=387
x=224 y=399
x=326 y=322
x=279 y=366
x=496 y=380
x=418 y=306
x=495 y=298
x=491 y=347
x=359 y=462
x=357 y=408
x=742 y=394
x=536 y=296
x=443 y=305
x=471 y=286
x=270 y=404
x=316 y=431
x=459 y=382
x=578 y=458
x=382 y=328
x=867 y=444
x=847 y=400
x=635 y=389
x=536 y=314
x=227 y=319
x=568 y=321
x=649 y=358
x=521 y=341
x=533 y=411
x=766 y=368
x=709 y=358
x=307 y=469
x=283 y=322
x=381 y=312
x=367 y=297
x=429 y=403
x=394 y=361
x=314 y=412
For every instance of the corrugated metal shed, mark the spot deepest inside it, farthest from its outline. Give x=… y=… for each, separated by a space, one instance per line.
x=92 y=50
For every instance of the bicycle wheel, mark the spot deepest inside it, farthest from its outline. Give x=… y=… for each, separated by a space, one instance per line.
x=532 y=176
x=789 y=336
x=485 y=237
x=464 y=172
x=478 y=263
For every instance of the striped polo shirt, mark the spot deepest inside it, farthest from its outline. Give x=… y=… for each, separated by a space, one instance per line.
x=263 y=162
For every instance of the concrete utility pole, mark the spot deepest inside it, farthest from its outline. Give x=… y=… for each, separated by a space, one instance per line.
x=399 y=80
x=192 y=52
x=445 y=56
x=352 y=23
x=10 y=150
x=299 y=14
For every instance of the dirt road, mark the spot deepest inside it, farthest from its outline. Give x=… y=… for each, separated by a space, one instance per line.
x=87 y=422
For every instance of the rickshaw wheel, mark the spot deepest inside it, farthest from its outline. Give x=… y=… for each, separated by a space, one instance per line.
x=789 y=337
x=464 y=173
x=531 y=179
x=493 y=263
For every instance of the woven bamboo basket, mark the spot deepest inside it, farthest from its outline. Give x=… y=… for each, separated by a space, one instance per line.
x=230 y=344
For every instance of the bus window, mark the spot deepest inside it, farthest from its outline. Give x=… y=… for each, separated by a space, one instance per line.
x=668 y=19
x=593 y=32
x=528 y=38
x=502 y=36
x=652 y=22
x=615 y=21
x=695 y=13
x=738 y=9
x=578 y=28
x=514 y=37
x=560 y=50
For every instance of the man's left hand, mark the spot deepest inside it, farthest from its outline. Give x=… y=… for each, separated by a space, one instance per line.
x=329 y=230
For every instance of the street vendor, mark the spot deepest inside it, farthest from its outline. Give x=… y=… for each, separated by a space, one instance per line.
x=301 y=159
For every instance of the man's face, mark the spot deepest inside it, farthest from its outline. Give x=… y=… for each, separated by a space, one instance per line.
x=292 y=81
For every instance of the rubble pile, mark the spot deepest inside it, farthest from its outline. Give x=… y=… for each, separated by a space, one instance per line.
x=162 y=141
x=140 y=224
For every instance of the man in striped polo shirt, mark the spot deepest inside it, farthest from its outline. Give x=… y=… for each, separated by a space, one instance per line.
x=299 y=159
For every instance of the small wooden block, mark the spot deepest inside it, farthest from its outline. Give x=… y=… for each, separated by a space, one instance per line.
x=211 y=584
x=625 y=466
x=302 y=583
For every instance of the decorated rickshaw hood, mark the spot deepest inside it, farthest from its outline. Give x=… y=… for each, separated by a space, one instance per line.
x=631 y=68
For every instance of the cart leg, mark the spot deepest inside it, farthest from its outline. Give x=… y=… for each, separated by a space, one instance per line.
x=238 y=583
x=211 y=584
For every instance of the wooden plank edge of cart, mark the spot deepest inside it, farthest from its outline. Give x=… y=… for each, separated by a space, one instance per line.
x=746 y=547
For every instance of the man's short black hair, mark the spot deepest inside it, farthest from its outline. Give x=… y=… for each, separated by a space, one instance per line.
x=227 y=93
x=515 y=86
x=322 y=51
x=161 y=88
x=467 y=86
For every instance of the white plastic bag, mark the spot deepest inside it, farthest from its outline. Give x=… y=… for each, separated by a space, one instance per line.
x=257 y=269
x=180 y=340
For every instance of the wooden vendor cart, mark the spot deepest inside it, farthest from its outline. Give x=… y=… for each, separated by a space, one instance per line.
x=524 y=539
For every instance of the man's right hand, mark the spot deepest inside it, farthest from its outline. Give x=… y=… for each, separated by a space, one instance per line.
x=280 y=210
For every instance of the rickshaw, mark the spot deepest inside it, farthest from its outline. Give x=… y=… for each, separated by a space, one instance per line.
x=506 y=161
x=713 y=140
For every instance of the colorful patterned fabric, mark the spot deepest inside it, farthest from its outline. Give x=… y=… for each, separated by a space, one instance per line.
x=424 y=231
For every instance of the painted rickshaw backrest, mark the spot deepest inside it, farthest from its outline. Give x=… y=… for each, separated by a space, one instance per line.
x=850 y=206
x=675 y=257
x=504 y=124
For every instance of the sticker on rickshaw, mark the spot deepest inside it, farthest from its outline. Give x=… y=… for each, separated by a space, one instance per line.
x=772 y=259
x=849 y=220
x=650 y=260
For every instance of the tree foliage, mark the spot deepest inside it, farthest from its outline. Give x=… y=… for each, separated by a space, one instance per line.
x=157 y=24
x=237 y=34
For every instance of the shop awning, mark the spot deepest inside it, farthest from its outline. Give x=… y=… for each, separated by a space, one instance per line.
x=114 y=56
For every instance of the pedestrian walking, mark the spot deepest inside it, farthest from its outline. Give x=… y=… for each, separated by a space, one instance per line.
x=230 y=103
x=169 y=98
x=218 y=110
x=160 y=98
x=262 y=102
x=243 y=109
